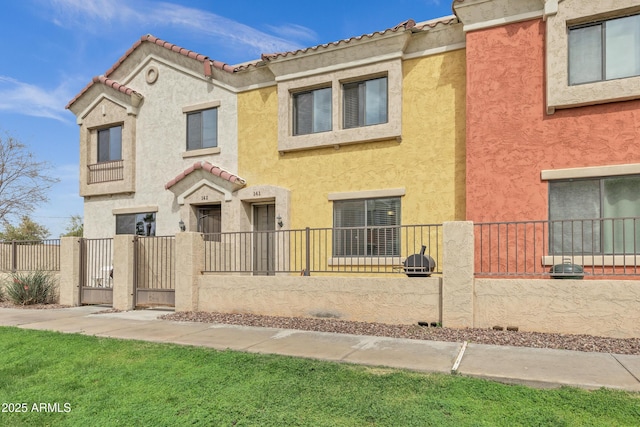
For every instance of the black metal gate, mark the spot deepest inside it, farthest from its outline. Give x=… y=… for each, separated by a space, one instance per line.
x=96 y=271
x=155 y=267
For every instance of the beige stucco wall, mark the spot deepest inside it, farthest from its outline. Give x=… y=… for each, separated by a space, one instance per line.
x=595 y=307
x=395 y=300
x=160 y=146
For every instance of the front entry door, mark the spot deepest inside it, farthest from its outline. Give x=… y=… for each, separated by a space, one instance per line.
x=264 y=225
x=209 y=222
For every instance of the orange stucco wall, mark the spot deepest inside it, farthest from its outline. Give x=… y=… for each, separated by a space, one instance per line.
x=510 y=138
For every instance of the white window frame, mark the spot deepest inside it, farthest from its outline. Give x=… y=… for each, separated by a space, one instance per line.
x=335 y=78
x=112 y=157
x=360 y=102
x=298 y=129
x=203 y=127
x=601 y=53
x=199 y=108
x=371 y=240
x=562 y=15
x=138 y=217
x=600 y=173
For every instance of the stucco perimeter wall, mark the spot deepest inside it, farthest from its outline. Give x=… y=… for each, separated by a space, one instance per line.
x=603 y=308
x=393 y=300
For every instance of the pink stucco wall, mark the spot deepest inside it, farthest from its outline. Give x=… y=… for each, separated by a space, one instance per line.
x=510 y=138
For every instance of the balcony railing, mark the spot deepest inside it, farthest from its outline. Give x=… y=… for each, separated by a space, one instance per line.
x=324 y=250
x=106 y=171
x=601 y=247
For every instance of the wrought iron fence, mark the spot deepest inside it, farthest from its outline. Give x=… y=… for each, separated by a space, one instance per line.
x=595 y=247
x=96 y=262
x=30 y=255
x=106 y=171
x=155 y=262
x=327 y=250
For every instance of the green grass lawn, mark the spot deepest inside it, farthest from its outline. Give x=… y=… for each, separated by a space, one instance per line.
x=89 y=381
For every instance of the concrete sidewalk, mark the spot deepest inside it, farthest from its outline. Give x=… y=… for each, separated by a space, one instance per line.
x=536 y=367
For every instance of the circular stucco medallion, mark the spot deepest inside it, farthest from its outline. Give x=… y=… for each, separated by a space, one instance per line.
x=151 y=75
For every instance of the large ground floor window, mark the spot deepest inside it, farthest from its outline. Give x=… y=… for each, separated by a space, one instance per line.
x=596 y=215
x=141 y=224
x=366 y=227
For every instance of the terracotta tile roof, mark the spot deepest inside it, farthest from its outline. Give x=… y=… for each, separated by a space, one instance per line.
x=206 y=62
x=208 y=167
x=107 y=82
x=447 y=20
x=409 y=24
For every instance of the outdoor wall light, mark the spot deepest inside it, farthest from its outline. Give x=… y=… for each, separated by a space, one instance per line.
x=280 y=223
x=181 y=225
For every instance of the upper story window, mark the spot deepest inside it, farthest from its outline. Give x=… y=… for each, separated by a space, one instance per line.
x=202 y=129
x=366 y=227
x=339 y=107
x=604 y=50
x=365 y=103
x=595 y=215
x=110 y=144
x=312 y=111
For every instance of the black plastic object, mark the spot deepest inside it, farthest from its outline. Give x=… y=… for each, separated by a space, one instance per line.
x=567 y=270
x=419 y=265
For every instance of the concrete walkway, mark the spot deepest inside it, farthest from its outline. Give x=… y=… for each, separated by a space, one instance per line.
x=536 y=367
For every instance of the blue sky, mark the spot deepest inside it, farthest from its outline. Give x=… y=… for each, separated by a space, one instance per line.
x=52 y=48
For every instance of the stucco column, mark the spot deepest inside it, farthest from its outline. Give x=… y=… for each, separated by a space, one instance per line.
x=123 y=272
x=69 y=279
x=190 y=251
x=457 y=275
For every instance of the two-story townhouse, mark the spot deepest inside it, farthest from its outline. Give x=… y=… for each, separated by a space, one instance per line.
x=158 y=143
x=363 y=132
x=553 y=119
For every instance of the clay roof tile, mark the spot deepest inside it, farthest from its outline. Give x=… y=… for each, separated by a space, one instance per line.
x=206 y=166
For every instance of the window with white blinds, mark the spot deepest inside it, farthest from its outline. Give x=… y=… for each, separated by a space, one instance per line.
x=365 y=103
x=597 y=215
x=366 y=227
x=604 y=50
x=202 y=129
x=312 y=111
x=110 y=144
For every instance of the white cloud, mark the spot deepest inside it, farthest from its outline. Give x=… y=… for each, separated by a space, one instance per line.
x=113 y=13
x=294 y=32
x=32 y=100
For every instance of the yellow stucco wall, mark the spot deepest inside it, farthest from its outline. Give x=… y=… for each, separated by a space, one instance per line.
x=429 y=162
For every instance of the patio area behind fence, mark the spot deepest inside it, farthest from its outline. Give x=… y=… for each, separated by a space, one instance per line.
x=599 y=247
x=486 y=274
x=330 y=251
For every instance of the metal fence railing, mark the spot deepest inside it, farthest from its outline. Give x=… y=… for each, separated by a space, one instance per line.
x=594 y=247
x=30 y=255
x=155 y=262
x=106 y=171
x=326 y=250
x=96 y=262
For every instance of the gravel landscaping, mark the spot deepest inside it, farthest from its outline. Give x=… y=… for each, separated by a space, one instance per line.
x=477 y=336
